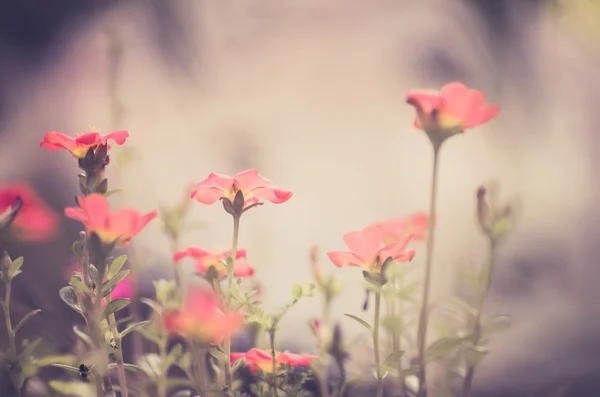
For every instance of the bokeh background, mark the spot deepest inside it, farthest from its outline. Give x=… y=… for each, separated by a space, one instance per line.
x=312 y=94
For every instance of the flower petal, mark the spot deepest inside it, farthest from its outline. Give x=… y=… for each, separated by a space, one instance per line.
x=341 y=259
x=365 y=243
x=274 y=195
x=193 y=252
x=118 y=136
x=250 y=179
x=424 y=100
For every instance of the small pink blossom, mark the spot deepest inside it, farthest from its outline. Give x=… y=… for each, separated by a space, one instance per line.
x=452 y=110
x=414 y=226
x=205 y=260
x=240 y=192
x=367 y=250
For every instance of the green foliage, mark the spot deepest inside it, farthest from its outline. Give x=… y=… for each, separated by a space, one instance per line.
x=110 y=285
x=115 y=266
x=360 y=321
x=116 y=305
x=69 y=296
x=79 y=389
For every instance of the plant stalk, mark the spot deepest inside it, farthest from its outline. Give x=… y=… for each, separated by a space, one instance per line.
x=6 y=309
x=468 y=381
x=273 y=361
x=376 y=344
x=323 y=349
x=423 y=317
x=120 y=364
x=227 y=347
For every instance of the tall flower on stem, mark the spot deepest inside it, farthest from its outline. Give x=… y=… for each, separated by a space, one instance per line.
x=104 y=231
x=368 y=252
x=441 y=115
x=238 y=194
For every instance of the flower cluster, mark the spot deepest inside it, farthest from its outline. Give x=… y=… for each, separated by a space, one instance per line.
x=204 y=317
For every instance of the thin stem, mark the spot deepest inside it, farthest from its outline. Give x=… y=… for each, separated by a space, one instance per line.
x=161 y=384
x=179 y=279
x=323 y=348
x=397 y=312
x=227 y=347
x=468 y=381
x=120 y=364
x=376 y=344
x=6 y=310
x=273 y=361
x=423 y=317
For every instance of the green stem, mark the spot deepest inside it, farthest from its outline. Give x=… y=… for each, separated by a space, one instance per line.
x=6 y=310
x=397 y=314
x=376 y=344
x=323 y=338
x=120 y=364
x=468 y=381
x=273 y=361
x=161 y=384
x=423 y=317
x=227 y=348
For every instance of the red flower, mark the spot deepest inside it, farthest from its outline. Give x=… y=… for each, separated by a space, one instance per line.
x=112 y=228
x=248 y=186
x=368 y=252
x=35 y=221
x=203 y=317
x=414 y=226
x=205 y=259
x=257 y=359
x=80 y=145
x=450 y=111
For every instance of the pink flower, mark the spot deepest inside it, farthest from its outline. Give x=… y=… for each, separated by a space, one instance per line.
x=257 y=359
x=80 y=145
x=451 y=110
x=239 y=193
x=368 y=251
x=35 y=221
x=203 y=317
x=205 y=259
x=112 y=228
x=414 y=226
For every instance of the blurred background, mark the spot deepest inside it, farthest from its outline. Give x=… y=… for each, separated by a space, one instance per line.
x=312 y=94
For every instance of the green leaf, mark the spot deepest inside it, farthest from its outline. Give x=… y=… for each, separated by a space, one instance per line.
x=172 y=356
x=69 y=368
x=116 y=305
x=115 y=266
x=68 y=295
x=461 y=304
x=29 y=347
x=151 y=364
x=238 y=364
x=80 y=389
x=393 y=358
x=83 y=336
x=25 y=318
x=360 y=321
x=164 y=290
x=109 y=285
x=301 y=290
x=80 y=286
x=474 y=355
x=393 y=324
x=217 y=353
x=149 y=335
x=78 y=249
x=132 y=327
x=185 y=361
x=14 y=268
x=131 y=367
x=443 y=347
x=153 y=305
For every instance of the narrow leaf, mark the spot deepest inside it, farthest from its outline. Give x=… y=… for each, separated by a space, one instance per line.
x=68 y=295
x=116 y=266
x=80 y=286
x=393 y=358
x=152 y=304
x=14 y=267
x=84 y=337
x=115 y=306
x=132 y=327
x=109 y=285
x=360 y=321
x=25 y=318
